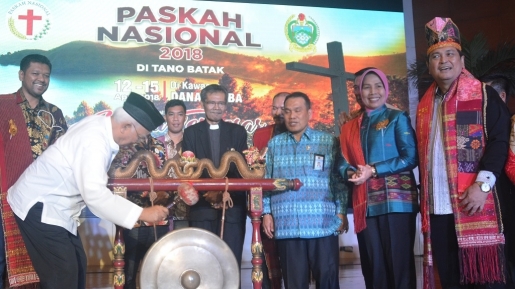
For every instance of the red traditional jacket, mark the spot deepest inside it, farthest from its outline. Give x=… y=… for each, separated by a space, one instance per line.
x=262 y=136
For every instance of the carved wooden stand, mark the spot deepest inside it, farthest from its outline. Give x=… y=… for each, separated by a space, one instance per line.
x=255 y=207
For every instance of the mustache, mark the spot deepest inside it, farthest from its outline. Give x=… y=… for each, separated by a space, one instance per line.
x=278 y=118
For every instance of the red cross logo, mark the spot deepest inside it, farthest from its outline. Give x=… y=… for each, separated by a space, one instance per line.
x=30 y=17
x=29 y=21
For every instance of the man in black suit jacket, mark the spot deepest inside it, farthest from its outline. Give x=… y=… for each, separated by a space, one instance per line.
x=210 y=139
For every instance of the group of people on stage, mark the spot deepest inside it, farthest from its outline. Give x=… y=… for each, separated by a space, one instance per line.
x=461 y=145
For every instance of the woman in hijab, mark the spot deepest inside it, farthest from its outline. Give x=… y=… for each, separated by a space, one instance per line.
x=379 y=151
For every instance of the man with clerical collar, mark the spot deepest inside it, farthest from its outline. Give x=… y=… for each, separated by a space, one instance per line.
x=463 y=127
x=210 y=139
x=28 y=125
x=49 y=196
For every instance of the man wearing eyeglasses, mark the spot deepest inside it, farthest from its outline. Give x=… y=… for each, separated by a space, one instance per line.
x=28 y=125
x=210 y=139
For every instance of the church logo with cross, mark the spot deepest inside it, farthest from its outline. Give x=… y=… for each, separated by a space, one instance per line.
x=29 y=20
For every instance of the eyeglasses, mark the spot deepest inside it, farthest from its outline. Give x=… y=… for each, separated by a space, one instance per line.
x=214 y=103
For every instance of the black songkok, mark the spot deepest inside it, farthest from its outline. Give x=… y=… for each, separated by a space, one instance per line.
x=143 y=111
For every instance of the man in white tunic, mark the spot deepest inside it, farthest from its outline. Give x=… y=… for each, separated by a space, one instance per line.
x=48 y=197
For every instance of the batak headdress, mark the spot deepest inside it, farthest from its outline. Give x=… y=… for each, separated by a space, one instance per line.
x=441 y=32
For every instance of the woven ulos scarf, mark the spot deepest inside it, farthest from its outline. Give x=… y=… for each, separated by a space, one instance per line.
x=15 y=157
x=480 y=237
x=352 y=151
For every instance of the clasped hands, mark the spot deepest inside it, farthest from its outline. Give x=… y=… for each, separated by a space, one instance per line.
x=362 y=174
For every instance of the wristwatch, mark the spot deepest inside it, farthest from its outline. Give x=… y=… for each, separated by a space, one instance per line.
x=485 y=187
x=374 y=171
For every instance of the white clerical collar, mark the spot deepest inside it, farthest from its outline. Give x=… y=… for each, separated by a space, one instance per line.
x=213 y=126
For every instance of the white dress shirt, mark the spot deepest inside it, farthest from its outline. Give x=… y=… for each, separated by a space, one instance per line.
x=71 y=174
x=440 y=180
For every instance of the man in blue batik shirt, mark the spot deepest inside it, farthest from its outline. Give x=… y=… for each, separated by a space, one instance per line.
x=305 y=223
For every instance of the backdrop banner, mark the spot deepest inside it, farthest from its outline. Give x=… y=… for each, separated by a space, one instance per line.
x=103 y=50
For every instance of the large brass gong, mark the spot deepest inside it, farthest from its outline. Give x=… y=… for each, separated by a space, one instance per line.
x=189 y=258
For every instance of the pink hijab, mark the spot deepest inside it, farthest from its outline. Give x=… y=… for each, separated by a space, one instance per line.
x=383 y=78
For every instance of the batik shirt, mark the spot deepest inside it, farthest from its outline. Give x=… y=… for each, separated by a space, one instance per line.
x=45 y=123
x=310 y=212
x=174 y=152
x=141 y=198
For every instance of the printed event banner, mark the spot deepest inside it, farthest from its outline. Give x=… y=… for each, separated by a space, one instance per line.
x=103 y=50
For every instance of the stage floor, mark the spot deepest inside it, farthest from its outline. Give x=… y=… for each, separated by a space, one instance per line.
x=350 y=277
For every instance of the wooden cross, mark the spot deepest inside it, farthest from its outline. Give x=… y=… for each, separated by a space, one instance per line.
x=336 y=72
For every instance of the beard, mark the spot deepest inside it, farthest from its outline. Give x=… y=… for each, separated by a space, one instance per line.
x=279 y=125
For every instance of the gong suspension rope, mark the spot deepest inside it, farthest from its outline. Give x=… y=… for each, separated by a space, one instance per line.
x=226 y=199
x=153 y=197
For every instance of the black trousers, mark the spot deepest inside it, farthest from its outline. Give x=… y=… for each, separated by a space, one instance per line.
x=366 y=269
x=234 y=227
x=57 y=255
x=389 y=240
x=299 y=256
x=444 y=243
x=137 y=243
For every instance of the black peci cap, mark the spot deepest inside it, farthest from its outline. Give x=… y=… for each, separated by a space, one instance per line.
x=143 y=111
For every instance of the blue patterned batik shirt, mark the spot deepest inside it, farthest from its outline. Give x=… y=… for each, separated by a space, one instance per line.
x=310 y=212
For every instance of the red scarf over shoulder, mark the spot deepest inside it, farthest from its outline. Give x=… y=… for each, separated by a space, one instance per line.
x=480 y=237
x=352 y=151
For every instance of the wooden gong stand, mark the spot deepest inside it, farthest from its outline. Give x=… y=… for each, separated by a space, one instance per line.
x=254 y=187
